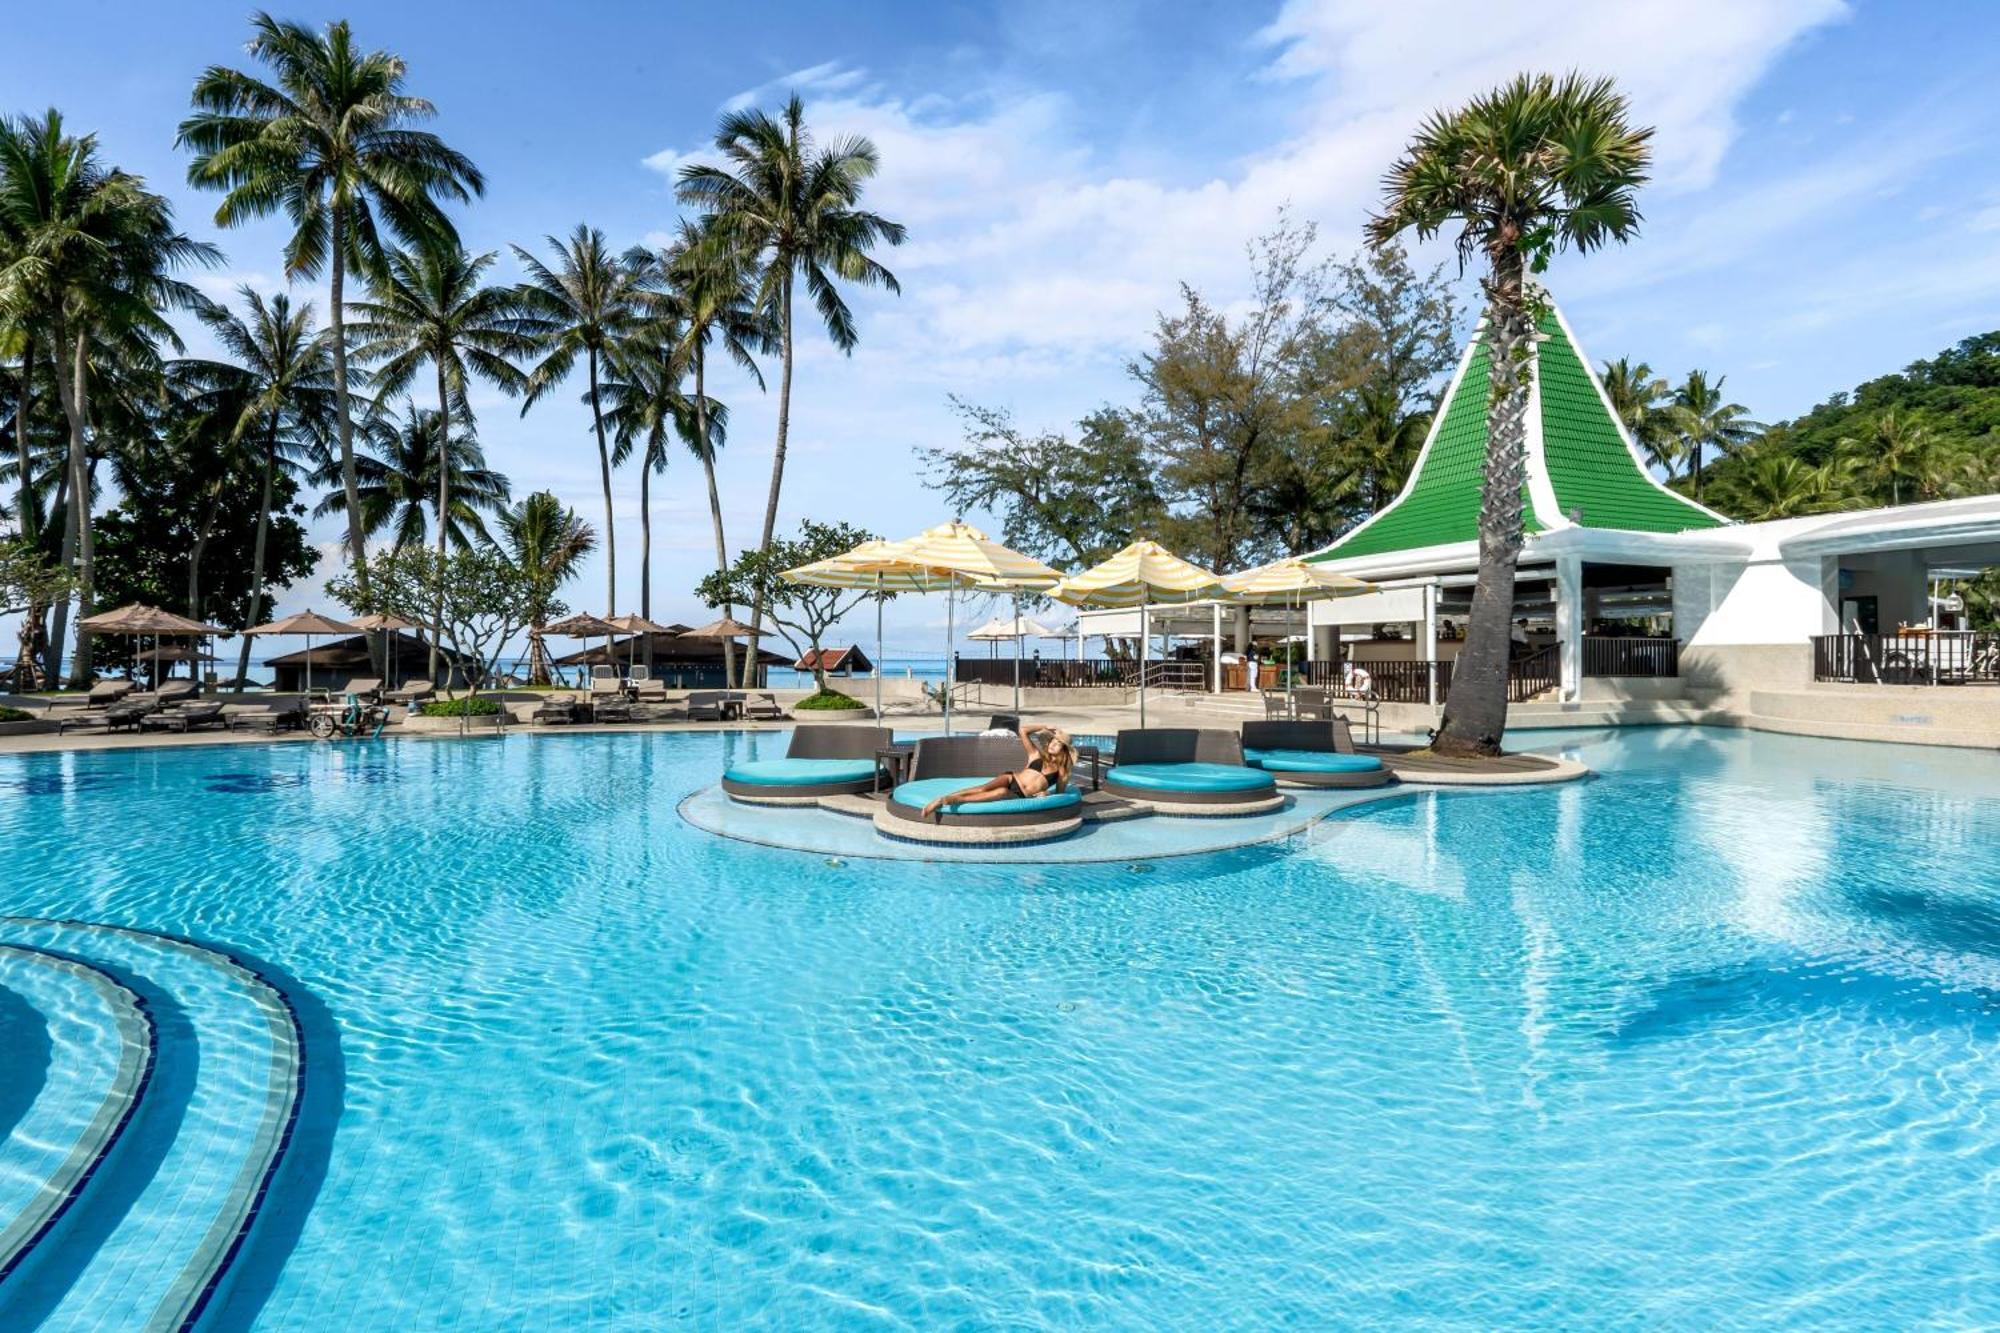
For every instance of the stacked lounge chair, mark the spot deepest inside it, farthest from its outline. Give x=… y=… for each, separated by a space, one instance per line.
x=1311 y=754
x=943 y=764
x=1189 y=771
x=829 y=759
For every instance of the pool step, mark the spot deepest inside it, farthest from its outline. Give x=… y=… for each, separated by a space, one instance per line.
x=150 y=1244
x=100 y=1058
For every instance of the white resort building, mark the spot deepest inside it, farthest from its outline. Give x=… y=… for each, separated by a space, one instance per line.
x=1642 y=606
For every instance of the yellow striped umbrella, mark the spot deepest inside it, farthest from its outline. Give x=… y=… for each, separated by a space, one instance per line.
x=1143 y=573
x=1289 y=582
x=882 y=567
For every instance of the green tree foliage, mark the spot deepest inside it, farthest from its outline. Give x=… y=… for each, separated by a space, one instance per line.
x=480 y=597
x=802 y=613
x=546 y=541
x=399 y=484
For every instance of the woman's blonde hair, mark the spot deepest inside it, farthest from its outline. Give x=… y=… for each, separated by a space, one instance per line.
x=1060 y=755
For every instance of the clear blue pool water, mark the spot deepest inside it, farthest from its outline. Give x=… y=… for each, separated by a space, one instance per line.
x=1708 y=1040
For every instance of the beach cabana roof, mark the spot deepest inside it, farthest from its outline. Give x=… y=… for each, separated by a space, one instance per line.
x=835 y=660
x=1583 y=468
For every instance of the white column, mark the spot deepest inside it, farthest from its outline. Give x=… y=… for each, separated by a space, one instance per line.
x=1215 y=648
x=1430 y=642
x=1569 y=623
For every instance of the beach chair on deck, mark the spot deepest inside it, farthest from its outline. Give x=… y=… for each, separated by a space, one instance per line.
x=765 y=706
x=367 y=690
x=644 y=687
x=705 y=705
x=187 y=717
x=102 y=695
x=412 y=694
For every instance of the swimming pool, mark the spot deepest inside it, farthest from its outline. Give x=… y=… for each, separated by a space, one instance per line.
x=1707 y=1039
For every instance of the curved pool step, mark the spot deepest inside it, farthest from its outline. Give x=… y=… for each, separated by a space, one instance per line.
x=187 y=1206
x=101 y=1044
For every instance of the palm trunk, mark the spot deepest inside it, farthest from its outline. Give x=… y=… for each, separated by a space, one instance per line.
x=24 y=515
x=78 y=550
x=1475 y=714
x=604 y=467
x=444 y=506
x=714 y=502
x=52 y=676
x=777 y=457
x=344 y=424
x=1695 y=468
x=257 y=551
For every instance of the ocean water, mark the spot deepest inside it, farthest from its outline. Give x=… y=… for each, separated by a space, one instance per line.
x=1707 y=1040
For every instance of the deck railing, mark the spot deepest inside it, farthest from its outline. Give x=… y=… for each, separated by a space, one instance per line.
x=1631 y=656
x=1950 y=657
x=1060 y=674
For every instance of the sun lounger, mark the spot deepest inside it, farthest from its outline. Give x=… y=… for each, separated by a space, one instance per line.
x=368 y=691
x=186 y=718
x=823 y=759
x=706 y=706
x=1189 y=771
x=412 y=694
x=644 y=687
x=943 y=764
x=101 y=696
x=1311 y=754
x=765 y=706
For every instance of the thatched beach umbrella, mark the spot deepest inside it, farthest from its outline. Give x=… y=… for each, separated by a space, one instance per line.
x=385 y=624
x=1143 y=573
x=584 y=626
x=136 y=620
x=307 y=623
x=636 y=626
x=726 y=628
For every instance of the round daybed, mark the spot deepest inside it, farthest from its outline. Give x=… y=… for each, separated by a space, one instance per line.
x=1186 y=771
x=827 y=759
x=944 y=764
x=1311 y=754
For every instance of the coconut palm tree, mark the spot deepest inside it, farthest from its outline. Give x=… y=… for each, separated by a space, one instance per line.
x=713 y=287
x=279 y=380
x=546 y=542
x=1905 y=459
x=330 y=139
x=91 y=260
x=426 y=308
x=587 y=305
x=1775 y=484
x=1640 y=399
x=398 y=481
x=1703 y=419
x=792 y=208
x=1536 y=166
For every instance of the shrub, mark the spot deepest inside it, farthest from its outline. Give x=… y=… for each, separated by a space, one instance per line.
x=15 y=715
x=470 y=707
x=828 y=701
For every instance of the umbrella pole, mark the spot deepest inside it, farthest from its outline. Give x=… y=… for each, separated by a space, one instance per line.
x=950 y=627
x=1145 y=647
x=1017 y=654
x=878 y=647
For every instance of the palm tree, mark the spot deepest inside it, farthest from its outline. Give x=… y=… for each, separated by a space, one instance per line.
x=1639 y=399
x=280 y=381
x=546 y=542
x=398 y=483
x=1702 y=419
x=427 y=308
x=587 y=305
x=91 y=261
x=791 y=207
x=1536 y=166
x=330 y=140
x=1774 y=484
x=1901 y=454
x=712 y=287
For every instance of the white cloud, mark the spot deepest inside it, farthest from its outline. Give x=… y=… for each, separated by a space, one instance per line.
x=828 y=77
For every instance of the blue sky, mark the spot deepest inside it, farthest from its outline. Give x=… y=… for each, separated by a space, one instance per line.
x=1824 y=209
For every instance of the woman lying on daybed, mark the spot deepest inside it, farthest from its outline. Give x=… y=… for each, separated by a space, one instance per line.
x=1051 y=759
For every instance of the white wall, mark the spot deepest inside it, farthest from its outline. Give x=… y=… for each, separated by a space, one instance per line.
x=1765 y=599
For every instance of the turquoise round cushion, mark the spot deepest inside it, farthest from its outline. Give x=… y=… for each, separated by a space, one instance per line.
x=1192 y=777
x=921 y=793
x=1312 y=761
x=801 y=772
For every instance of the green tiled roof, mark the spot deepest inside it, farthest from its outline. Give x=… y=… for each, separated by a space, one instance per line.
x=1589 y=467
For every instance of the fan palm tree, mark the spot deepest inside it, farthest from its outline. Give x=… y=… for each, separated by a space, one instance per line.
x=546 y=542
x=1536 y=166
x=398 y=482
x=587 y=305
x=91 y=260
x=279 y=381
x=792 y=208
x=330 y=140
x=1640 y=399
x=1704 y=419
x=427 y=308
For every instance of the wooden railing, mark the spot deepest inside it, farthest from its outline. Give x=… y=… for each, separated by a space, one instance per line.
x=1950 y=657
x=1059 y=674
x=1534 y=673
x=1631 y=657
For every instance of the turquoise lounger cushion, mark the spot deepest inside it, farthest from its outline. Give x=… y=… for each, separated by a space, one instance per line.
x=1204 y=778
x=1312 y=761
x=921 y=793
x=801 y=772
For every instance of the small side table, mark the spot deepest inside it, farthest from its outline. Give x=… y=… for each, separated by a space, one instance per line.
x=894 y=762
x=1095 y=758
